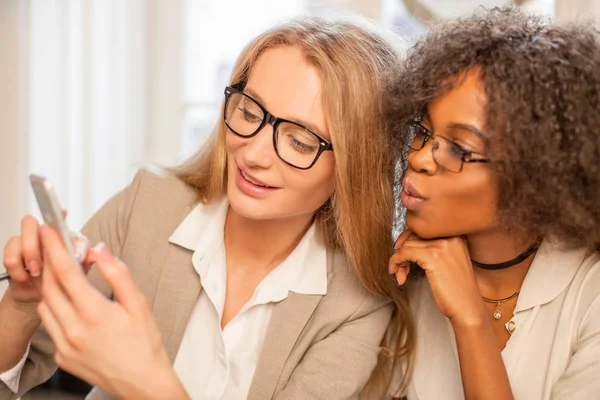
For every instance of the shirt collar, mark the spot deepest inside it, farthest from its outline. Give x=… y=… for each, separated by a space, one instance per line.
x=551 y=271
x=304 y=271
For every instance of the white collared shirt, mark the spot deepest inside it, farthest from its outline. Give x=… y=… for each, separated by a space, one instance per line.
x=554 y=351
x=12 y=377
x=219 y=364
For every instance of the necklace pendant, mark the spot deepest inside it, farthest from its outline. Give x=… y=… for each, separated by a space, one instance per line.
x=497 y=313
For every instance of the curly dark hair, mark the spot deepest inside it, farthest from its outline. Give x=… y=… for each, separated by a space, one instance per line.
x=543 y=87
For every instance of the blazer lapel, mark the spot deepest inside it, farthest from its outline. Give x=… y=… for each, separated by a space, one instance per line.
x=176 y=295
x=287 y=322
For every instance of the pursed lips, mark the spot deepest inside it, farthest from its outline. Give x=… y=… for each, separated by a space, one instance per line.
x=410 y=196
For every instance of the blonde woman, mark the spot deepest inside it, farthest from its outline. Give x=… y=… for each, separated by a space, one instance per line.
x=239 y=281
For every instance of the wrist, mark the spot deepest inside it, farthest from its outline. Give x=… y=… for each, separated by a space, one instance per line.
x=474 y=320
x=161 y=383
x=22 y=312
x=170 y=387
x=17 y=327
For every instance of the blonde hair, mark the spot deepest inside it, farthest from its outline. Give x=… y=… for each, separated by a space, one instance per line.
x=354 y=59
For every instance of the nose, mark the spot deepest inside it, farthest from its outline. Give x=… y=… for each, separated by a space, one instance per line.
x=259 y=150
x=422 y=160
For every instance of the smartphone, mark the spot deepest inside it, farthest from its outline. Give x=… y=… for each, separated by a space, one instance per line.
x=52 y=212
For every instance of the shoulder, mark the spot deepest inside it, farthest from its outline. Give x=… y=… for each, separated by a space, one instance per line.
x=153 y=195
x=161 y=186
x=589 y=274
x=587 y=289
x=159 y=201
x=584 y=287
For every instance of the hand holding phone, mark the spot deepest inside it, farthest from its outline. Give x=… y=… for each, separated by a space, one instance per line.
x=52 y=212
x=53 y=216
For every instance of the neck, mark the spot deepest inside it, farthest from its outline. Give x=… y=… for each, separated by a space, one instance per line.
x=262 y=244
x=495 y=247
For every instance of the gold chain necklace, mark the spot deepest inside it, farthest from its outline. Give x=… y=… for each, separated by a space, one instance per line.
x=497 y=312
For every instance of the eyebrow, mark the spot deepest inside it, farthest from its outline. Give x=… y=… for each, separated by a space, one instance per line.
x=308 y=125
x=457 y=125
x=468 y=128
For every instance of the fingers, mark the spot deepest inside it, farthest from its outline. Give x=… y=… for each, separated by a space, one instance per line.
x=396 y=261
x=61 y=307
x=407 y=238
x=401 y=239
x=397 y=265
x=66 y=354
x=30 y=242
x=120 y=279
x=414 y=253
x=400 y=263
x=410 y=255
x=401 y=272
x=13 y=260
x=52 y=326
x=68 y=275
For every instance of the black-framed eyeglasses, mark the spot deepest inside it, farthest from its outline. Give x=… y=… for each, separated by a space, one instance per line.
x=295 y=144
x=446 y=153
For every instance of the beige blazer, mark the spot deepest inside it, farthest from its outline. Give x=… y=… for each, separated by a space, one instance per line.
x=316 y=347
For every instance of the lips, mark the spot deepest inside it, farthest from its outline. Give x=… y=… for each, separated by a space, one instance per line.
x=410 y=190
x=253 y=180
x=410 y=196
x=251 y=186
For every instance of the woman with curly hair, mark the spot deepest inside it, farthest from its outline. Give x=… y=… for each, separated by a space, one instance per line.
x=501 y=190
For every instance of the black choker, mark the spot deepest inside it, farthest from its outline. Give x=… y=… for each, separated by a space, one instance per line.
x=518 y=259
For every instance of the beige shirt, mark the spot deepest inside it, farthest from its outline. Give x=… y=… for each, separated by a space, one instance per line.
x=315 y=347
x=214 y=363
x=554 y=353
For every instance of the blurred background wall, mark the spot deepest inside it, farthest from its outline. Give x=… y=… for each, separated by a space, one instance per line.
x=90 y=90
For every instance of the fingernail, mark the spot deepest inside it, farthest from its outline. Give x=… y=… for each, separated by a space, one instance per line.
x=34 y=268
x=104 y=253
x=97 y=248
x=100 y=250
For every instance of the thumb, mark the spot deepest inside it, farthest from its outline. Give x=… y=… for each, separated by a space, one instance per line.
x=119 y=277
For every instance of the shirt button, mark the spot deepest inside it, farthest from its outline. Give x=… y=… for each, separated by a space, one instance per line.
x=511 y=326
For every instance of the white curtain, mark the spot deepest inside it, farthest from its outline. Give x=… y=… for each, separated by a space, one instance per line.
x=93 y=93
x=86 y=71
x=104 y=82
x=13 y=117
